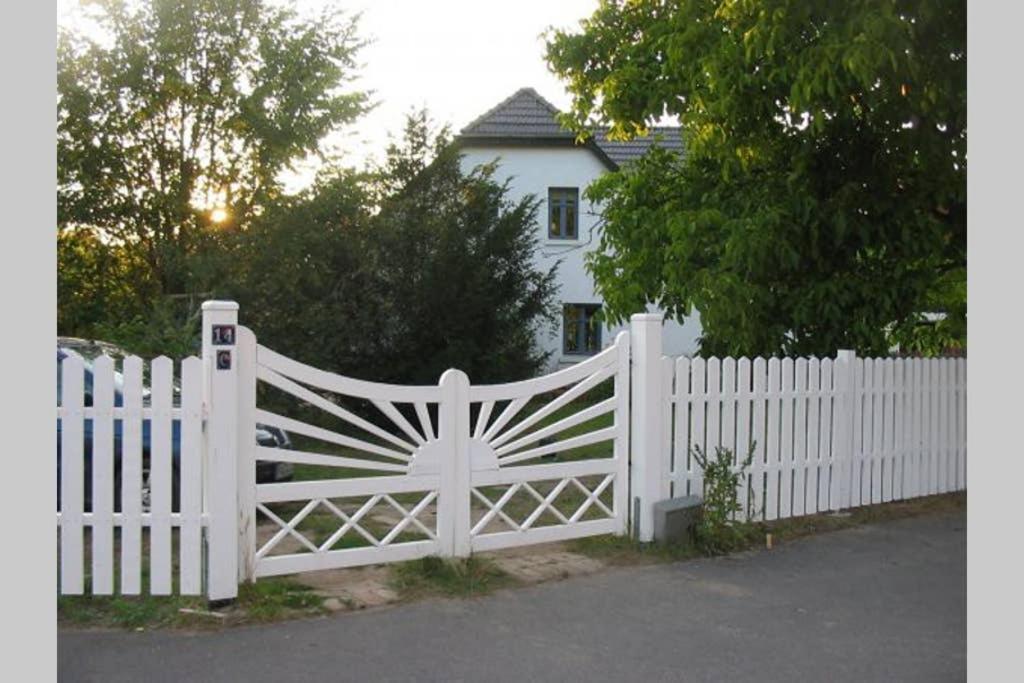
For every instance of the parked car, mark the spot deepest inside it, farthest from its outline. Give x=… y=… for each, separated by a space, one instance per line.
x=88 y=350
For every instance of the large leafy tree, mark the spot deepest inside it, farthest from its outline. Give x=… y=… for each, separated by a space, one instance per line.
x=185 y=107
x=821 y=199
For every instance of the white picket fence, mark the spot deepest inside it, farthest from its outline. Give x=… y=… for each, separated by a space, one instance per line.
x=454 y=468
x=137 y=538
x=824 y=435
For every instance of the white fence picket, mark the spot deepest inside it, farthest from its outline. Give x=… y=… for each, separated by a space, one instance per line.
x=961 y=412
x=191 y=478
x=940 y=436
x=800 y=439
x=698 y=413
x=861 y=420
x=714 y=407
x=912 y=416
x=877 y=415
x=934 y=420
x=160 y=477
x=924 y=398
x=899 y=433
x=786 y=449
x=131 y=479
x=924 y=436
x=941 y=443
x=728 y=419
x=824 y=435
x=681 y=437
x=757 y=468
x=72 y=478
x=950 y=423
x=912 y=409
x=103 y=477
x=743 y=431
x=864 y=454
x=667 y=414
x=943 y=424
x=916 y=474
x=886 y=451
x=772 y=451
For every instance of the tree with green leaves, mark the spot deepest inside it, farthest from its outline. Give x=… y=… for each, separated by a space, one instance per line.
x=821 y=199
x=177 y=124
x=96 y=281
x=400 y=273
x=455 y=258
x=300 y=276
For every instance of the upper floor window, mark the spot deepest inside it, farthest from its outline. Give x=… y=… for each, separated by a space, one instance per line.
x=563 y=203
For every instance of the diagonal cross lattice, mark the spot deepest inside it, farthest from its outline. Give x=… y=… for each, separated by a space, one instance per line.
x=545 y=503
x=409 y=517
x=287 y=528
x=495 y=509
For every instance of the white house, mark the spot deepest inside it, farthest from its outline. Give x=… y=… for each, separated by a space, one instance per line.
x=539 y=157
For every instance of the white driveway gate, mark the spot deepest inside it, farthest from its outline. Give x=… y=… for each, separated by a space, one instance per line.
x=408 y=471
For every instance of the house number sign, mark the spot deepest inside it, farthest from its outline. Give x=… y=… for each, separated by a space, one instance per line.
x=223 y=335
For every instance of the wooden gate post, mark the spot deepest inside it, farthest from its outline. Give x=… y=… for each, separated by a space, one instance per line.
x=220 y=436
x=453 y=511
x=648 y=462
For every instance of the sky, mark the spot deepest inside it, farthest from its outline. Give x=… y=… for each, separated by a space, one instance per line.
x=458 y=58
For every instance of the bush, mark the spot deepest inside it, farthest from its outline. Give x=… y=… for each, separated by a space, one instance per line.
x=398 y=275
x=717 y=532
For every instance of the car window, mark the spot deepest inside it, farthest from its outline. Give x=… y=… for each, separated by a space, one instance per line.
x=87 y=379
x=87 y=382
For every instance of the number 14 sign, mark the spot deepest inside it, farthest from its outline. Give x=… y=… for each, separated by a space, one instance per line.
x=223 y=335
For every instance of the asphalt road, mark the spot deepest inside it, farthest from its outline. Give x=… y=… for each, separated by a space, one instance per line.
x=875 y=603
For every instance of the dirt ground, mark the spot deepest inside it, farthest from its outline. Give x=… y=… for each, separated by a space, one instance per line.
x=363 y=587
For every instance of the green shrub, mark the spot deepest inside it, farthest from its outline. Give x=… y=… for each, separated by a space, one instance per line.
x=717 y=531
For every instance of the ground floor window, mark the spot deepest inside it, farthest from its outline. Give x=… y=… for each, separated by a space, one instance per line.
x=581 y=331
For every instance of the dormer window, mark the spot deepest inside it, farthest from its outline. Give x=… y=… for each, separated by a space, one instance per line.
x=563 y=203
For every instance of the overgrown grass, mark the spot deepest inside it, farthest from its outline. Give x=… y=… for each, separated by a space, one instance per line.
x=128 y=612
x=623 y=550
x=265 y=600
x=435 y=576
x=272 y=599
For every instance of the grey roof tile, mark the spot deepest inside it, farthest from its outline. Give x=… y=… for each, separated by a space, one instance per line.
x=666 y=137
x=528 y=116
